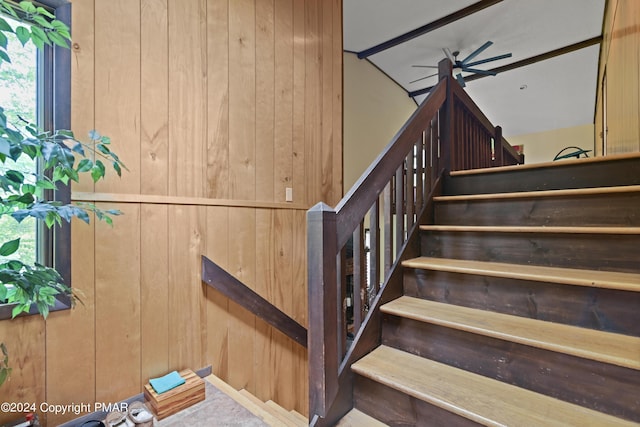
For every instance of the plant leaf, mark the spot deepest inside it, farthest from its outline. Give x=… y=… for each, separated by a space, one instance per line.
x=23 y=35
x=4 y=25
x=9 y=247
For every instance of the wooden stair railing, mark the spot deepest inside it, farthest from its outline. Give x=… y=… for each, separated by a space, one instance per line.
x=376 y=221
x=219 y=279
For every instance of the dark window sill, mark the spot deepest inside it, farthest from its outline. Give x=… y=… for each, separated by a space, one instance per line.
x=62 y=303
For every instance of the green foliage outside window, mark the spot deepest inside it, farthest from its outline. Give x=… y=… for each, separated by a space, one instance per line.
x=63 y=158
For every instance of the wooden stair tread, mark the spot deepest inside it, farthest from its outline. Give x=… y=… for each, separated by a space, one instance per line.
x=478 y=398
x=617 y=349
x=567 y=276
x=544 y=165
x=285 y=416
x=541 y=193
x=355 y=418
x=246 y=399
x=531 y=229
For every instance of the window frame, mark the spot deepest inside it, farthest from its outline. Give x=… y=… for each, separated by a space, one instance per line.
x=54 y=94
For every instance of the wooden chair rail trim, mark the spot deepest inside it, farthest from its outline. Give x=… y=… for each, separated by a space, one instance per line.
x=541 y=193
x=471 y=395
x=606 y=347
x=569 y=162
x=566 y=276
x=78 y=196
x=531 y=229
x=219 y=279
x=357 y=202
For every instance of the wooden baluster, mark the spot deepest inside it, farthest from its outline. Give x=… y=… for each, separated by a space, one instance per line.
x=410 y=191
x=359 y=286
x=323 y=307
x=435 y=161
x=341 y=264
x=420 y=176
x=497 y=137
x=388 y=230
x=400 y=208
x=374 y=247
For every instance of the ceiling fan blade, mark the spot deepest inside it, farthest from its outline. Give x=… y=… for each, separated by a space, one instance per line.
x=447 y=52
x=425 y=66
x=460 y=80
x=476 y=52
x=423 y=78
x=476 y=71
x=484 y=61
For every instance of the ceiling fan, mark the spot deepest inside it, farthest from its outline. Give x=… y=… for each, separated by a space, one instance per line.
x=465 y=65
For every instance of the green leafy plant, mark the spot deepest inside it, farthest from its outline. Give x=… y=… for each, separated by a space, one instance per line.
x=63 y=158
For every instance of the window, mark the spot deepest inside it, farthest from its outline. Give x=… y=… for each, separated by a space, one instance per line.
x=42 y=95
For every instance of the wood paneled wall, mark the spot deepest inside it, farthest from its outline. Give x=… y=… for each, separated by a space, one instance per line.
x=620 y=61
x=215 y=106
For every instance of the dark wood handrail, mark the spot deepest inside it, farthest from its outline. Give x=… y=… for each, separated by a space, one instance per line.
x=219 y=279
x=355 y=204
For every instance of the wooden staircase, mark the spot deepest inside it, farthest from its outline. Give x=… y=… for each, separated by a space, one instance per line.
x=269 y=412
x=523 y=308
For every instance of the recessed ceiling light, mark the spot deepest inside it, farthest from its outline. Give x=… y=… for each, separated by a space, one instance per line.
x=523 y=87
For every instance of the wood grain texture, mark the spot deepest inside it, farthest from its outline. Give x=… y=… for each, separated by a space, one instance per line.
x=217 y=305
x=620 y=58
x=617 y=349
x=242 y=100
x=283 y=125
x=187 y=231
x=299 y=102
x=117 y=277
x=187 y=97
x=83 y=76
x=176 y=85
x=154 y=95
x=27 y=358
x=218 y=99
x=471 y=395
x=265 y=106
x=118 y=87
x=595 y=308
x=81 y=321
x=584 y=251
x=313 y=138
x=599 y=386
x=154 y=291
x=242 y=324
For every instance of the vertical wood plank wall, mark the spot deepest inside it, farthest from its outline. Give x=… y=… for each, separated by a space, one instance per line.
x=215 y=106
x=620 y=57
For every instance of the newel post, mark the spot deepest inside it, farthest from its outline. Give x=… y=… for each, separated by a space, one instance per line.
x=447 y=151
x=323 y=308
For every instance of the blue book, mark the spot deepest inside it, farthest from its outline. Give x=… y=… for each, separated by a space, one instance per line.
x=166 y=383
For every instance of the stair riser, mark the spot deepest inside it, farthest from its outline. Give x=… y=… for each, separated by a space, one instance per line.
x=595 y=308
x=606 y=388
x=585 y=175
x=596 y=252
x=609 y=210
x=395 y=408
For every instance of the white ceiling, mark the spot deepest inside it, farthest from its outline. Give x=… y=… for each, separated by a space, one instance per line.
x=560 y=91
